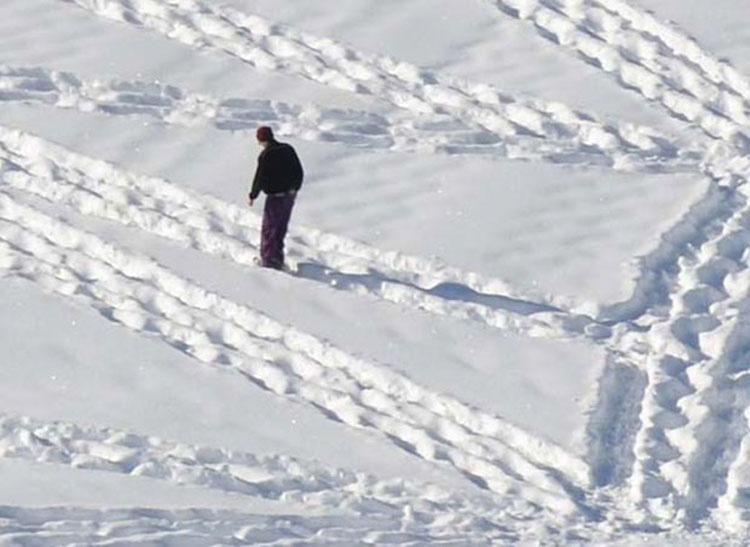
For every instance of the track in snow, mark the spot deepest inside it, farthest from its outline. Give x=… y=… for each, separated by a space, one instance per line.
x=692 y=415
x=653 y=59
x=210 y=225
x=56 y=526
x=268 y=46
x=690 y=456
x=690 y=449
x=401 y=131
x=691 y=453
x=390 y=505
x=145 y=297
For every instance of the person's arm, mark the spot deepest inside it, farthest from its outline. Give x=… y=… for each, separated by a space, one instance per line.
x=257 y=182
x=298 y=171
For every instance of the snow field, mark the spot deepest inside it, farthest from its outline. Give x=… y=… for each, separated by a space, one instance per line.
x=272 y=478
x=654 y=59
x=282 y=49
x=441 y=132
x=364 y=396
x=665 y=442
x=160 y=207
x=550 y=244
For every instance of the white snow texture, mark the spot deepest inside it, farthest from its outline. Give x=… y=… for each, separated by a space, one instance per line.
x=517 y=302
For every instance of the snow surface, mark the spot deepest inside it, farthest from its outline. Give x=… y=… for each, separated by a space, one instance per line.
x=517 y=306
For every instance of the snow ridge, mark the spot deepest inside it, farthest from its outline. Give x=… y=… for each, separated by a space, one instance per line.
x=383 y=504
x=145 y=297
x=210 y=225
x=268 y=46
x=144 y=526
x=687 y=367
x=671 y=429
x=648 y=57
x=402 y=131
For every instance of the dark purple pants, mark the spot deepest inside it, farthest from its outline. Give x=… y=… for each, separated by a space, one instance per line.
x=276 y=214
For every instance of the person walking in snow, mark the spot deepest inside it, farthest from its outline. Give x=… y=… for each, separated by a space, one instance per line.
x=279 y=175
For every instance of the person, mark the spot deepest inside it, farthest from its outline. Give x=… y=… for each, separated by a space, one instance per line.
x=279 y=175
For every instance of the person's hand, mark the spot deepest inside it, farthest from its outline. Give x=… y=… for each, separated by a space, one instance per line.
x=250 y=201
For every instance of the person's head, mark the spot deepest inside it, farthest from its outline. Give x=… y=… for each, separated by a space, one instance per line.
x=264 y=135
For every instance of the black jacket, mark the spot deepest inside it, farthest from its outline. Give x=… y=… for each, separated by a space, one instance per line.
x=279 y=170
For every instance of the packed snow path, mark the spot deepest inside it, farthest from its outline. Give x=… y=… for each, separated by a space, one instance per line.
x=390 y=506
x=668 y=443
x=207 y=224
x=143 y=296
x=652 y=58
x=444 y=133
x=274 y=47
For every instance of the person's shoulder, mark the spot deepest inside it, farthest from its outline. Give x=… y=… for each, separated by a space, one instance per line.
x=287 y=150
x=278 y=147
x=281 y=150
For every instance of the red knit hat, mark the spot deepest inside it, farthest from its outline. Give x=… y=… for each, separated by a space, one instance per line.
x=264 y=134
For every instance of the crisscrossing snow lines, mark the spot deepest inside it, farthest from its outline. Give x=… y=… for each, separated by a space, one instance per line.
x=210 y=225
x=679 y=445
x=384 y=506
x=690 y=455
x=272 y=47
x=145 y=297
x=442 y=133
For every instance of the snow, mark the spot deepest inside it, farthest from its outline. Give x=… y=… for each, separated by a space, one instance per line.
x=723 y=30
x=516 y=311
x=44 y=485
x=166 y=386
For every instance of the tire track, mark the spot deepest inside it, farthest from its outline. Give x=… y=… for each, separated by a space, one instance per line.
x=56 y=526
x=733 y=507
x=209 y=225
x=277 y=478
x=135 y=291
x=403 y=132
x=691 y=414
x=681 y=45
x=280 y=48
x=690 y=449
x=651 y=58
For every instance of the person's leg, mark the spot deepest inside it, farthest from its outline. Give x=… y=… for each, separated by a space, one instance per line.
x=276 y=215
x=267 y=232
x=284 y=215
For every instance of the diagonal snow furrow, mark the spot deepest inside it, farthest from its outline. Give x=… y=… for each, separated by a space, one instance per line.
x=678 y=311
x=692 y=410
x=650 y=298
x=172 y=105
x=54 y=526
x=613 y=422
x=651 y=58
x=145 y=297
x=402 y=131
x=157 y=206
x=280 y=478
x=270 y=46
x=715 y=470
x=733 y=507
x=680 y=45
